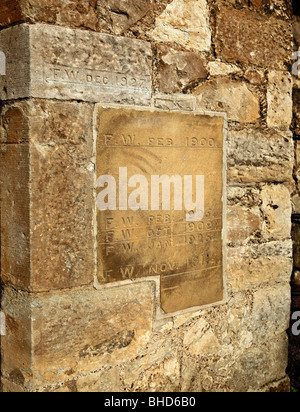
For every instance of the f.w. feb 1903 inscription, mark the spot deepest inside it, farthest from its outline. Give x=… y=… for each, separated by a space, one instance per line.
x=160 y=182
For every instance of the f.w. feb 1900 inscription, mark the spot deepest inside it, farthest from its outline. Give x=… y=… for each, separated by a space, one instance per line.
x=160 y=181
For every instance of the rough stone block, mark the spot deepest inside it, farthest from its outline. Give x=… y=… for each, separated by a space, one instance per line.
x=255 y=156
x=178 y=70
x=255 y=264
x=67 y=64
x=277 y=210
x=10 y=12
x=52 y=217
x=185 y=22
x=59 y=337
x=82 y=331
x=15 y=214
x=110 y=15
x=251 y=38
x=242 y=224
x=233 y=97
x=280 y=100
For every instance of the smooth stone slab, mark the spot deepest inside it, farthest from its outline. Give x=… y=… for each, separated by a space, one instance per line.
x=132 y=244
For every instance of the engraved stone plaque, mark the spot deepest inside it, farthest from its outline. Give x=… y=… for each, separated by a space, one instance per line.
x=54 y=62
x=160 y=182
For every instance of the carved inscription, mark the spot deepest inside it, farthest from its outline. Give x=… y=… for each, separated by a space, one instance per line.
x=100 y=79
x=187 y=253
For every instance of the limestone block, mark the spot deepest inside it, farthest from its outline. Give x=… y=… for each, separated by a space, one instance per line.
x=229 y=96
x=255 y=156
x=47 y=197
x=15 y=214
x=277 y=210
x=271 y=311
x=201 y=340
x=67 y=64
x=257 y=368
x=280 y=100
x=185 y=22
x=242 y=224
x=178 y=70
x=110 y=15
x=63 y=335
x=255 y=264
x=247 y=37
x=218 y=68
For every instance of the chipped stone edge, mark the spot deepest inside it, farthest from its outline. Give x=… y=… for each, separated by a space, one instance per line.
x=159 y=315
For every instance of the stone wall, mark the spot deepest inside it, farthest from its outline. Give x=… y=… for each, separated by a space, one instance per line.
x=63 y=333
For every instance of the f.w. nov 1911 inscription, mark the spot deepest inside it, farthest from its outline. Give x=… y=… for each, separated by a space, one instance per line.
x=160 y=179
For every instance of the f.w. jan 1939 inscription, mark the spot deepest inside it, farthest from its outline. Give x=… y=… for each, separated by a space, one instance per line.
x=160 y=203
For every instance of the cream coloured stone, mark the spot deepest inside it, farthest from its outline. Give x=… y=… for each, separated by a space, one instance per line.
x=217 y=68
x=255 y=264
x=200 y=339
x=256 y=156
x=185 y=22
x=53 y=62
x=79 y=332
x=277 y=209
x=280 y=101
x=229 y=96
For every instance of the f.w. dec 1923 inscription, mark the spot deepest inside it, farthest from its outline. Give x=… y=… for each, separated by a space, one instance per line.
x=160 y=180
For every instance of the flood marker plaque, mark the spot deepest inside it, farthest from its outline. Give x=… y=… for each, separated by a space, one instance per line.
x=160 y=212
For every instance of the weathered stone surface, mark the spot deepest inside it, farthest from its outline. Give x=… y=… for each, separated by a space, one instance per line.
x=57 y=64
x=296 y=110
x=15 y=214
x=119 y=16
x=110 y=15
x=255 y=156
x=185 y=22
x=277 y=210
x=271 y=316
x=255 y=264
x=103 y=381
x=146 y=375
x=217 y=68
x=62 y=203
x=60 y=336
x=10 y=12
x=187 y=253
x=178 y=70
x=201 y=340
x=242 y=224
x=50 y=219
x=16 y=344
x=280 y=100
x=229 y=96
x=100 y=327
x=278 y=8
x=183 y=103
x=248 y=37
x=256 y=367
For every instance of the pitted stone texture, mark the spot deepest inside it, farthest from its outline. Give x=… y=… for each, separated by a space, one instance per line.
x=233 y=97
x=277 y=209
x=255 y=156
x=82 y=331
x=185 y=22
x=68 y=64
x=248 y=37
x=253 y=265
x=177 y=70
x=15 y=215
x=280 y=100
x=111 y=15
x=47 y=196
